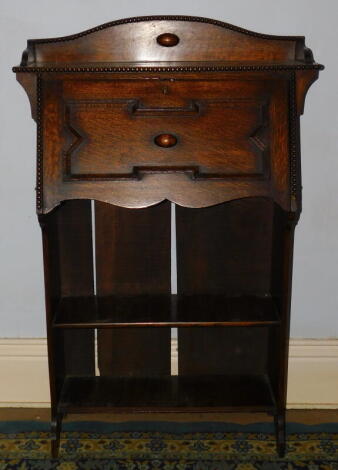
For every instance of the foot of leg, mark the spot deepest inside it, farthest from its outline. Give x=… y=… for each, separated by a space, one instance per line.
x=56 y=431
x=280 y=434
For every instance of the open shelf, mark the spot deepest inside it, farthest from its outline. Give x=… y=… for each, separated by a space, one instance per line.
x=165 y=310
x=169 y=393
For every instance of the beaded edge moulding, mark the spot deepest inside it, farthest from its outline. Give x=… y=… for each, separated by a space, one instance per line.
x=309 y=62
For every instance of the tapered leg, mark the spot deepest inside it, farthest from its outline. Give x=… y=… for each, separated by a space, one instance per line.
x=280 y=433
x=56 y=432
x=281 y=282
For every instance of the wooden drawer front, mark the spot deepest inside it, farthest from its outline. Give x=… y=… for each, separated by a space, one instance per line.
x=213 y=132
x=138 y=141
x=117 y=139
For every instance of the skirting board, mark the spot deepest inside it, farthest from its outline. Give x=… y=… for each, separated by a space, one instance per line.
x=313 y=373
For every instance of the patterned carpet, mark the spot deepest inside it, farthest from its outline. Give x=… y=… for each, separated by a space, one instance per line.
x=168 y=446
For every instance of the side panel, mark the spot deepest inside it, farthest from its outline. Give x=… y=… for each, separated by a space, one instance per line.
x=68 y=265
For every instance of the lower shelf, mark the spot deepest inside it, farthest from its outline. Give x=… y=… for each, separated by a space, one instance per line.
x=170 y=393
x=165 y=310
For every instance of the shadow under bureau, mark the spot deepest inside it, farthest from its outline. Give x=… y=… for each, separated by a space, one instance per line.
x=152 y=130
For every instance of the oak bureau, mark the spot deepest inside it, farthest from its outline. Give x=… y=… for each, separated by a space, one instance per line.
x=141 y=123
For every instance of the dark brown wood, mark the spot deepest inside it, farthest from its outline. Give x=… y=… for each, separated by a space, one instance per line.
x=165 y=310
x=284 y=330
x=76 y=278
x=70 y=269
x=223 y=249
x=56 y=362
x=244 y=153
x=150 y=69
x=137 y=245
x=175 y=393
x=165 y=140
x=135 y=114
x=209 y=50
x=68 y=266
x=168 y=39
x=200 y=39
x=72 y=274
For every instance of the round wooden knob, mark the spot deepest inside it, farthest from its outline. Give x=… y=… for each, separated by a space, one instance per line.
x=165 y=140
x=168 y=39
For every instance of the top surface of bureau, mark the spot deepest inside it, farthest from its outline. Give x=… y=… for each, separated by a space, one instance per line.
x=187 y=109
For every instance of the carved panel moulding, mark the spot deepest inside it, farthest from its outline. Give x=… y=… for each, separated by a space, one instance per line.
x=96 y=148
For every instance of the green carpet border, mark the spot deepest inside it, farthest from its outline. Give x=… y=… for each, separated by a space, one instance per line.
x=11 y=427
x=168 y=450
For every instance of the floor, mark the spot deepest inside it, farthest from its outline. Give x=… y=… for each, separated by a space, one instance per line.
x=298 y=416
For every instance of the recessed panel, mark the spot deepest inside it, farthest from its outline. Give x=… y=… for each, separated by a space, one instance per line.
x=124 y=138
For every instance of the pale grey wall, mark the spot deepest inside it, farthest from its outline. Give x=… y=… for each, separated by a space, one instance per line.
x=315 y=297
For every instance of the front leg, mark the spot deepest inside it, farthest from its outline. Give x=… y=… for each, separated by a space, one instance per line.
x=56 y=432
x=280 y=433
